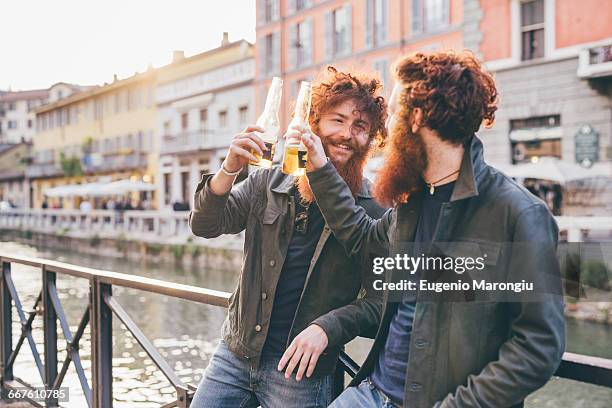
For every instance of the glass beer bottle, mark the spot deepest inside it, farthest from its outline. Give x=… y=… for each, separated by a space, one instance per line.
x=270 y=123
x=296 y=155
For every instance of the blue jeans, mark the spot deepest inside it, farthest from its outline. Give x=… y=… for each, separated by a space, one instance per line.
x=365 y=395
x=229 y=382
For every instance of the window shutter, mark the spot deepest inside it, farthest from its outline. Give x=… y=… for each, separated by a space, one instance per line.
x=292 y=46
x=276 y=52
x=308 y=41
x=260 y=45
x=291 y=7
x=445 y=12
x=382 y=33
x=369 y=23
x=348 y=39
x=329 y=35
x=275 y=10
x=417 y=16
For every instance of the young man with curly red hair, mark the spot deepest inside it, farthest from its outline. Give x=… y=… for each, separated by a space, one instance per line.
x=461 y=346
x=298 y=290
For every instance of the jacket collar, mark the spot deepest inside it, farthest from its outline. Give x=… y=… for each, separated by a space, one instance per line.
x=472 y=166
x=285 y=183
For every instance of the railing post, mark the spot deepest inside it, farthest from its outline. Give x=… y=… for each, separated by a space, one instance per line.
x=6 y=325
x=50 y=334
x=102 y=345
x=337 y=381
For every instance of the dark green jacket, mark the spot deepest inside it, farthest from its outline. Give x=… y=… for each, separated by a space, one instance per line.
x=263 y=206
x=488 y=353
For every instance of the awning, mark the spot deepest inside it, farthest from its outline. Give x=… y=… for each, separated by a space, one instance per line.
x=553 y=169
x=99 y=189
x=535 y=134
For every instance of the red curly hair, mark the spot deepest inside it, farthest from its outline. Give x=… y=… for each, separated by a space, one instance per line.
x=456 y=94
x=333 y=87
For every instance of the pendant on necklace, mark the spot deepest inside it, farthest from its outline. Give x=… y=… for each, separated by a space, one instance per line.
x=431 y=189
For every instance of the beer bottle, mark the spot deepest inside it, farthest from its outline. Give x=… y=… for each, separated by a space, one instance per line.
x=270 y=123
x=296 y=155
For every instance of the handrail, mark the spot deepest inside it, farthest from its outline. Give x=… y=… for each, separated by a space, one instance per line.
x=99 y=313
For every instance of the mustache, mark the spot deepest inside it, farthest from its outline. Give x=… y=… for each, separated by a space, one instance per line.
x=355 y=147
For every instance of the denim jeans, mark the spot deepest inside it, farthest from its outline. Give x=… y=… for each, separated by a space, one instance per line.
x=229 y=381
x=365 y=395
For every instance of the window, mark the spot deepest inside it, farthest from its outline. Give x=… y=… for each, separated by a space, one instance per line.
x=223 y=118
x=184 y=121
x=297 y=5
x=382 y=66
x=11 y=106
x=270 y=53
x=532 y=138
x=167 y=188
x=532 y=30
x=243 y=114
x=338 y=32
x=29 y=123
x=300 y=44
x=203 y=118
x=12 y=124
x=269 y=11
x=429 y=15
x=376 y=22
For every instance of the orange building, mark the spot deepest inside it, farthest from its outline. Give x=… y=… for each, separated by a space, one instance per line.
x=552 y=60
x=296 y=38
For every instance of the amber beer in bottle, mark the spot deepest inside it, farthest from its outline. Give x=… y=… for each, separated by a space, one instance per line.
x=270 y=123
x=296 y=155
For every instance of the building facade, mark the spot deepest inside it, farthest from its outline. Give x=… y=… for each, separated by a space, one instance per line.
x=17 y=118
x=202 y=102
x=14 y=186
x=297 y=38
x=101 y=134
x=552 y=61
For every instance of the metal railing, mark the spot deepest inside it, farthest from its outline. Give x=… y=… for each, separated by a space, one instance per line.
x=108 y=223
x=99 y=316
x=170 y=223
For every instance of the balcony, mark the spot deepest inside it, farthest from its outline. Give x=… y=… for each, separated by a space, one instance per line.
x=41 y=170
x=126 y=160
x=596 y=61
x=188 y=142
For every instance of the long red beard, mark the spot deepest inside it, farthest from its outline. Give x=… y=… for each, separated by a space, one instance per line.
x=400 y=175
x=351 y=172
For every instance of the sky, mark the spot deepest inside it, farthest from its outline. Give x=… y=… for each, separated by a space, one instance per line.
x=85 y=42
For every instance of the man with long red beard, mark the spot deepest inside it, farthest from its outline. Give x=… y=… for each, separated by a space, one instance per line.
x=297 y=287
x=462 y=347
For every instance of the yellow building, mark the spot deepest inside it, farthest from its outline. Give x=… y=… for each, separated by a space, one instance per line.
x=103 y=134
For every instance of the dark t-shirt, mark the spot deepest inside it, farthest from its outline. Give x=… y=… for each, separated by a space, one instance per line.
x=293 y=275
x=389 y=374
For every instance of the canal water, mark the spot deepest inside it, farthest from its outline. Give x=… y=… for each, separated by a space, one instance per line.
x=186 y=333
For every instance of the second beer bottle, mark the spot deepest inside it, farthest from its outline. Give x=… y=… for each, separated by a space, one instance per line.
x=270 y=123
x=296 y=155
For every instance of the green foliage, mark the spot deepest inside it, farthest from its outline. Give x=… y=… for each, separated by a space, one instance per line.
x=154 y=249
x=178 y=251
x=95 y=241
x=71 y=166
x=595 y=274
x=121 y=242
x=87 y=144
